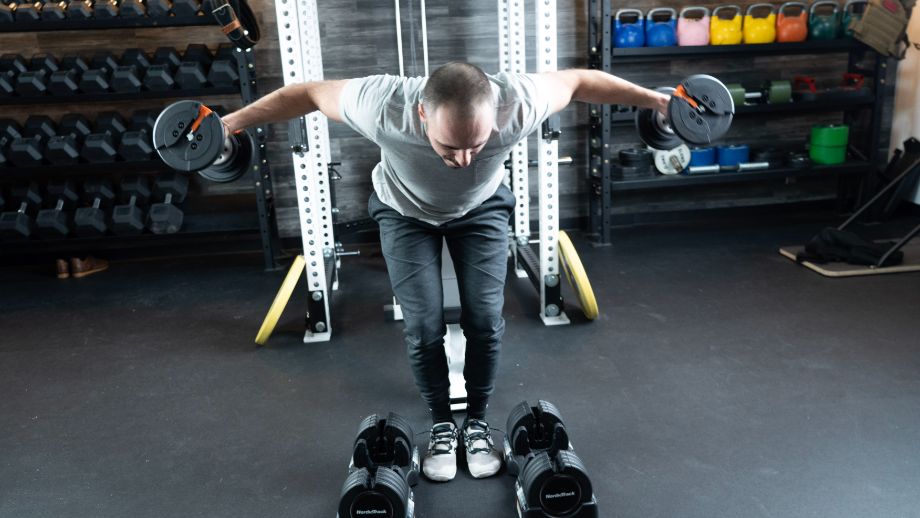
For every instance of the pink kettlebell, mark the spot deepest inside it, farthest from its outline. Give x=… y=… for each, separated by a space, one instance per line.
x=695 y=30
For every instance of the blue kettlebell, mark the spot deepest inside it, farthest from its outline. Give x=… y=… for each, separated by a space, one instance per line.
x=628 y=28
x=661 y=27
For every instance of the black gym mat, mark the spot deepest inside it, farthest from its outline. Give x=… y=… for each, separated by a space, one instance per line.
x=717 y=382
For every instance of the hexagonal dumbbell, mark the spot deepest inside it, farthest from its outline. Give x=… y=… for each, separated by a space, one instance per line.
x=58 y=221
x=35 y=80
x=191 y=73
x=93 y=220
x=28 y=150
x=103 y=9
x=129 y=218
x=127 y=77
x=19 y=223
x=159 y=8
x=64 y=148
x=166 y=217
x=223 y=71
x=187 y=8
x=98 y=78
x=80 y=9
x=9 y=131
x=102 y=145
x=54 y=11
x=133 y=9
x=137 y=143
x=160 y=74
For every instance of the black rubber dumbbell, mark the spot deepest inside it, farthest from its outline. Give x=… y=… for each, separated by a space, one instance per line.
x=28 y=150
x=224 y=71
x=28 y=12
x=54 y=11
x=35 y=80
x=137 y=143
x=129 y=218
x=160 y=75
x=102 y=145
x=58 y=220
x=166 y=217
x=80 y=9
x=186 y=8
x=19 y=223
x=192 y=72
x=133 y=9
x=7 y=13
x=9 y=131
x=159 y=8
x=64 y=148
x=93 y=220
x=66 y=80
x=127 y=77
x=104 y=9
x=98 y=78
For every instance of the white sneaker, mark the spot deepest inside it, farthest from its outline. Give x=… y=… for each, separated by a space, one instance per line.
x=440 y=463
x=481 y=457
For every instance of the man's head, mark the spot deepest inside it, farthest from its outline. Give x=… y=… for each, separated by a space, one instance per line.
x=458 y=111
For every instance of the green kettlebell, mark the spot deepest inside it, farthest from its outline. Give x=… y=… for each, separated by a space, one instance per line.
x=852 y=11
x=826 y=25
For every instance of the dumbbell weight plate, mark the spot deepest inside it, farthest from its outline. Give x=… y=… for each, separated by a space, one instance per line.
x=672 y=161
x=172 y=129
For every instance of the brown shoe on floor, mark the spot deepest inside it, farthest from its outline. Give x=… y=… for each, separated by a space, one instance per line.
x=63 y=269
x=83 y=267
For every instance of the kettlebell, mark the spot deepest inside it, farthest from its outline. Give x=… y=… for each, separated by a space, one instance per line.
x=794 y=27
x=693 y=31
x=661 y=27
x=627 y=34
x=823 y=26
x=852 y=12
x=760 y=29
x=725 y=31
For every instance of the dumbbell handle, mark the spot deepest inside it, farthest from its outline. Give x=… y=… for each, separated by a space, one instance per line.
x=168 y=198
x=60 y=205
x=23 y=207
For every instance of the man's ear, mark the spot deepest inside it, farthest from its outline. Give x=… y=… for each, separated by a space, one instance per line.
x=421 y=111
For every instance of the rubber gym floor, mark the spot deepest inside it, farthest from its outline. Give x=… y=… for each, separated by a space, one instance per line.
x=720 y=380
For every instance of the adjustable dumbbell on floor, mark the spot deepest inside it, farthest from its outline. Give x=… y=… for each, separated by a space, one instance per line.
x=19 y=224
x=129 y=218
x=58 y=221
x=384 y=466
x=551 y=481
x=189 y=136
x=93 y=220
x=166 y=217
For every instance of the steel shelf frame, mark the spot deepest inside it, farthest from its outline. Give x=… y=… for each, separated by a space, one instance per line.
x=603 y=118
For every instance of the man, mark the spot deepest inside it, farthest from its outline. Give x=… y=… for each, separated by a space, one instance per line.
x=443 y=141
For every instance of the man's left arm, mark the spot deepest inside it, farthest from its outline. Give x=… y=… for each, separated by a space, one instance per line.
x=595 y=87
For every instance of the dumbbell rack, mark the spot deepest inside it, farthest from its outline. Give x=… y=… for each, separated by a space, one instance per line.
x=603 y=118
x=204 y=223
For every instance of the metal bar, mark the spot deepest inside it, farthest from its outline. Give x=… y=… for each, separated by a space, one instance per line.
x=897 y=246
x=606 y=138
x=301 y=60
x=258 y=164
x=399 y=44
x=891 y=185
x=424 y=37
x=516 y=63
x=551 y=308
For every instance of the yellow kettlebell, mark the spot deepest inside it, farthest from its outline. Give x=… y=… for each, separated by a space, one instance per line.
x=760 y=29
x=725 y=27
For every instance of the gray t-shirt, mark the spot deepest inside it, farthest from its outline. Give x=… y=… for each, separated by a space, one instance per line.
x=411 y=177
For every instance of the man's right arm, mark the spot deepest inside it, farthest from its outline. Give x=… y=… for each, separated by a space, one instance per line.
x=290 y=102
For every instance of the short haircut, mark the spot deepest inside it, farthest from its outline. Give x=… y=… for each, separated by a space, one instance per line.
x=460 y=85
